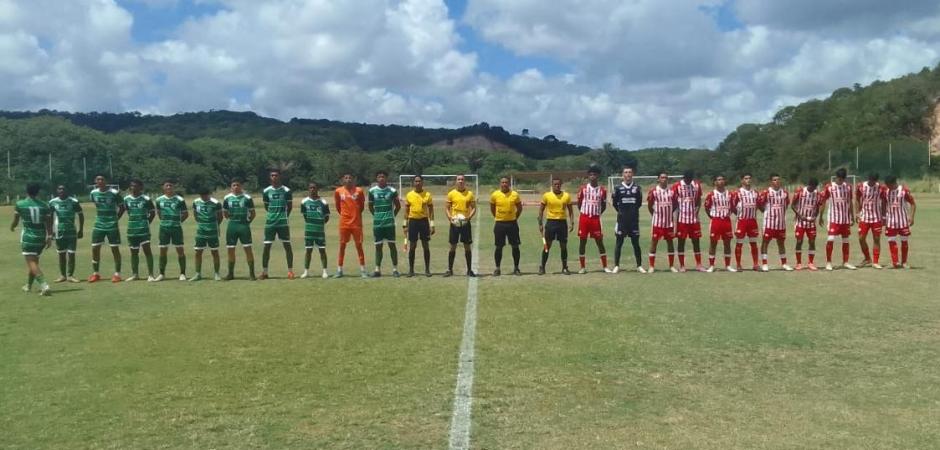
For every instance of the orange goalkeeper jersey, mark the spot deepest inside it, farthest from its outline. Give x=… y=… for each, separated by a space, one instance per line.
x=350 y=205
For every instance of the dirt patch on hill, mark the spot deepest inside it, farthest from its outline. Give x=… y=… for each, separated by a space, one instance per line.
x=935 y=129
x=471 y=143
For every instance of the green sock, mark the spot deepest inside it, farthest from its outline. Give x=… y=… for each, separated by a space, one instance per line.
x=163 y=265
x=393 y=252
x=71 y=264
x=216 y=262
x=135 y=263
x=149 y=259
x=251 y=268
x=378 y=255
x=231 y=268
x=289 y=254
x=182 y=261
x=40 y=280
x=117 y=266
x=62 y=263
x=323 y=258
x=30 y=282
x=94 y=266
x=198 y=265
x=307 y=260
x=265 y=257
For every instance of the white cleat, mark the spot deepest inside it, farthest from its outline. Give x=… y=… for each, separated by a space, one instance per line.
x=216 y=277
x=640 y=269
x=72 y=279
x=652 y=270
x=158 y=278
x=151 y=279
x=673 y=270
x=182 y=277
x=582 y=271
x=764 y=268
x=325 y=274
x=45 y=291
x=304 y=275
x=731 y=269
x=849 y=266
x=616 y=269
x=131 y=278
x=608 y=270
x=829 y=267
x=877 y=266
x=61 y=279
x=906 y=266
x=787 y=268
x=710 y=269
x=26 y=288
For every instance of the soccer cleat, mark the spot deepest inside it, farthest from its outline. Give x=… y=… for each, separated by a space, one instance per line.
x=897 y=266
x=60 y=279
x=183 y=277
x=325 y=274
x=517 y=272
x=497 y=273
x=72 y=279
x=798 y=267
x=151 y=279
x=682 y=269
x=290 y=275
x=159 y=278
x=229 y=277
x=906 y=265
x=673 y=270
x=652 y=270
x=699 y=269
x=449 y=273
x=877 y=266
x=787 y=268
x=410 y=274
x=565 y=271
x=710 y=269
x=756 y=268
x=541 y=270
x=396 y=273
x=765 y=268
x=812 y=267
x=252 y=278
x=45 y=291
x=471 y=274
x=26 y=288
x=848 y=266
x=864 y=263
x=640 y=269
x=94 y=278
x=616 y=269
x=264 y=275
x=339 y=273
x=116 y=278
x=582 y=271
x=196 y=277
x=363 y=274
x=216 y=277
x=427 y=273
x=376 y=274
x=608 y=270
x=731 y=269
x=305 y=275
x=829 y=266
x=131 y=278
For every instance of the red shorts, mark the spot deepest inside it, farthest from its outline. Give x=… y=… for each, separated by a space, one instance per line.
x=345 y=234
x=689 y=230
x=840 y=229
x=662 y=233
x=746 y=227
x=809 y=232
x=892 y=232
x=720 y=229
x=770 y=233
x=874 y=227
x=589 y=226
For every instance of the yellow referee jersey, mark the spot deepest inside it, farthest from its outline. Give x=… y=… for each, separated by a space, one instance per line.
x=418 y=204
x=505 y=205
x=460 y=201
x=556 y=206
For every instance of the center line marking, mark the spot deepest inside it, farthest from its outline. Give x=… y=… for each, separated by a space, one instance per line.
x=463 y=392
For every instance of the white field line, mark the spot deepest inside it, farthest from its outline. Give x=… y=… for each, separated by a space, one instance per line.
x=463 y=392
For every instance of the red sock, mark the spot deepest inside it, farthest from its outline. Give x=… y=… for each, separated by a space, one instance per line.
x=845 y=252
x=672 y=259
x=799 y=257
x=362 y=254
x=828 y=251
x=737 y=253
x=904 y=250
x=698 y=259
x=581 y=260
x=764 y=259
x=728 y=259
x=754 y=252
x=783 y=258
x=342 y=255
x=865 y=253
x=711 y=260
x=682 y=259
x=604 y=261
x=652 y=260
x=812 y=257
x=893 y=249
x=876 y=252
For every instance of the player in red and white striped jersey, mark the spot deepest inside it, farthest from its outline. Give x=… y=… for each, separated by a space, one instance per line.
x=745 y=202
x=806 y=210
x=592 y=202
x=773 y=201
x=869 y=202
x=898 y=221
x=838 y=198
x=718 y=205
x=661 y=202
x=688 y=193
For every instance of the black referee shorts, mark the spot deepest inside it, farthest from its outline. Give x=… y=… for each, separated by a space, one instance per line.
x=460 y=234
x=504 y=231
x=556 y=230
x=419 y=229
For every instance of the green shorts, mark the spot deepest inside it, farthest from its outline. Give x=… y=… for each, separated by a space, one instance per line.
x=32 y=249
x=211 y=242
x=384 y=235
x=171 y=236
x=238 y=232
x=134 y=242
x=280 y=232
x=98 y=237
x=66 y=244
x=314 y=240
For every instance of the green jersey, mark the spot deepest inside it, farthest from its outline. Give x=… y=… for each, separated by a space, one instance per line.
x=206 y=213
x=65 y=210
x=171 y=211
x=33 y=214
x=138 y=215
x=107 y=203
x=383 y=205
x=316 y=212
x=238 y=207
x=276 y=200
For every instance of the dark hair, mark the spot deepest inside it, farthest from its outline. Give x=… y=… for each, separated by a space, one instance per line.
x=873 y=176
x=204 y=190
x=628 y=167
x=716 y=177
x=662 y=172
x=168 y=181
x=236 y=180
x=841 y=173
x=273 y=170
x=773 y=174
x=812 y=181
x=380 y=172
x=746 y=174
x=593 y=168
x=416 y=177
x=504 y=177
x=137 y=180
x=688 y=174
x=891 y=179
x=556 y=179
x=314 y=183
x=32 y=189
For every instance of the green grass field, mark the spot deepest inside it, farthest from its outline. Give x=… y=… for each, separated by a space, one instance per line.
x=778 y=360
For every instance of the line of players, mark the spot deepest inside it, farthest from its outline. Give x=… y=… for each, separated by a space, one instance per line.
x=674 y=210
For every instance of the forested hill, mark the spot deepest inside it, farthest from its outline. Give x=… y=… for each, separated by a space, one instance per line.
x=318 y=134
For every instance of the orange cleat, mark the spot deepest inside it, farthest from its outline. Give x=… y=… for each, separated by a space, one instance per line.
x=263 y=276
x=94 y=278
x=812 y=267
x=115 y=278
x=290 y=275
x=798 y=267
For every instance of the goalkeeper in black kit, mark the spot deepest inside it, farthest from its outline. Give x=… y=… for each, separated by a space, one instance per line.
x=627 y=199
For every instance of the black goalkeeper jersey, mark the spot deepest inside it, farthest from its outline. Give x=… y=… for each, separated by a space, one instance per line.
x=627 y=200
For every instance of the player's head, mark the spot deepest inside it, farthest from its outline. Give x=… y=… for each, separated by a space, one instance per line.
x=627 y=174
x=556 y=185
x=891 y=181
x=204 y=192
x=663 y=178
x=812 y=183
x=504 y=184
x=348 y=180
x=275 y=176
x=236 y=186
x=746 y=179
x=418 y=183
x=136 y=186
x=774 y=180
x=61 y=191
x=719 y=182
x=313 y=188
x=32 y=189
x=687 y=176
x=841 y=174
x=168 y=187
x=873 y=178
x=381 y=178
x=593 y=172
x=100 y=181
x=460 y=182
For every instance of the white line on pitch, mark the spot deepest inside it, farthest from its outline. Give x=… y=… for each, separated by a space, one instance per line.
x=463 y=393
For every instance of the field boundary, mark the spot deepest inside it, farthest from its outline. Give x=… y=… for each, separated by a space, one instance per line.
x=463 y=392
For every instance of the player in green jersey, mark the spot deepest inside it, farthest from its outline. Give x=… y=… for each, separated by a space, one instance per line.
x=239 y=209
x=316 y=214
x=35 y=236
x=278 y=202
x=384 y=206
x=208 y=214
x=171 y=208
x=140 y=214
x=65 y=208
x=109 y=207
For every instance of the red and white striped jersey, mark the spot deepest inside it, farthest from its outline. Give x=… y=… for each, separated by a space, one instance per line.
x=591 y=199
x=719 y=204
x=775 y=208
x=663 y=202
x=745 y=201
x=869 y=200
x=898 y=203
x=839 y=197
x=689 y=196
x=807 y=204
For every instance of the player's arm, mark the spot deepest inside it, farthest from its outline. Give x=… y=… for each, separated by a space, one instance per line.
x=796 y=199
x=151 y=211
x=16 y=220
x=404 y=224
x=447 y=209
x=910 y=199
x=518 y=208
x=251 y=210
x=289 y=200
x=570 y=217
x=326 y=213
x=397 y=203
x=541 y=215
x=604 y=202
x=362 y=203
x=431 y=215
x=492 y=207
x=650 y=202
x=708 y=206
x=49 y=230
x=218 y=216
x=371 y=203
x=471 y=209
x=265 y=200
x=639 y=197
x=184 y=212
x=121 y=208
x=225 y=212
x=81 y=220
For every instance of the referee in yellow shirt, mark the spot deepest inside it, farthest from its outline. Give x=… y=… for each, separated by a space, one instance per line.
x=419 y=224
x=560 y=222
x=506 y=207
x=460 y=202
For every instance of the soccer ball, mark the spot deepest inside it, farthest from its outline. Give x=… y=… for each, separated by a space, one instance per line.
x=459 y=220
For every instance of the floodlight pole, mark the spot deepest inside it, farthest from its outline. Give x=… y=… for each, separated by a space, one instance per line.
x=856 y=158
x=50 y=167
x=890 y=156
x=830 y=161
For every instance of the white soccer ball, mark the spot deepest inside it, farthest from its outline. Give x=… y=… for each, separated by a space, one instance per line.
x=459 y=220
